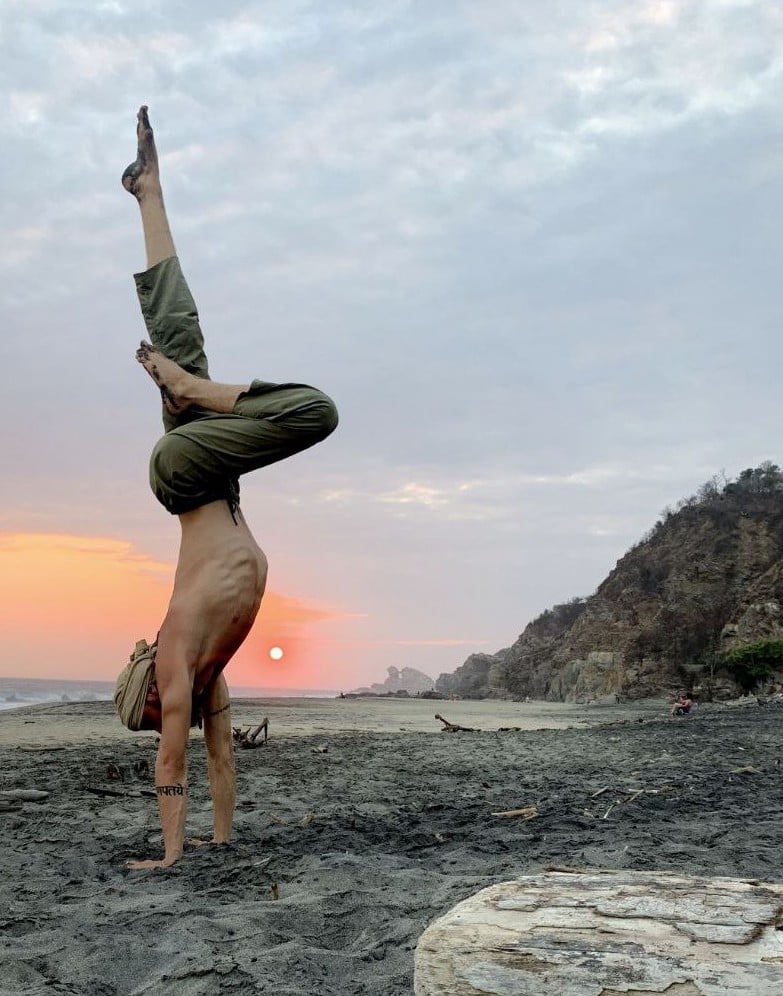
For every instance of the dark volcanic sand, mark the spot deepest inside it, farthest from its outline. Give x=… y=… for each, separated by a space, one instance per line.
x=367 y=843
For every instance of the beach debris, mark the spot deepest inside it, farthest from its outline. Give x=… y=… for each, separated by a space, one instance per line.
x=141 y=768
x=567 y=869
x=525 y=813
x=509 y=729
x=625 y=797
x=273 y=888
x=119 y=793
x=117 y=772
x=747 y=769
x=307 y=819
x=323 y=749
x=25 y=795
x=248 y=738
x=454 y=727
x=10 y=805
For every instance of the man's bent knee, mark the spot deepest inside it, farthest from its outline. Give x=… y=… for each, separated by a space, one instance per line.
x=199 y=463
x=309 y=423
x=325 y=414
x=183 y=475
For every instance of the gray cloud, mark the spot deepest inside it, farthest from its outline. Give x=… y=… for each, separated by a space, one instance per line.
x=528 y=248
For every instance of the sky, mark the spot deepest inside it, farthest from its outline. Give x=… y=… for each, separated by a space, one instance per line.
x=528 y=248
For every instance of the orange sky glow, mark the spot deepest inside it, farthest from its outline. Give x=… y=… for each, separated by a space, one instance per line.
x=74 y=607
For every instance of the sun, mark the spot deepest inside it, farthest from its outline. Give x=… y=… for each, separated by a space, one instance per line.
x=276 y=653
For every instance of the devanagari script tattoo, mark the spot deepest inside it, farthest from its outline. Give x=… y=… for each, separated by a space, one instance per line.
x=171 y=789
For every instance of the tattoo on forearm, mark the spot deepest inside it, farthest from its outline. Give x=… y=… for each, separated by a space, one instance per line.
x=171 y=789
x=216 y=712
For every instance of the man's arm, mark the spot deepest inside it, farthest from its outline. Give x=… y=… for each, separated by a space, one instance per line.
x=220 y=758
x=171 y=772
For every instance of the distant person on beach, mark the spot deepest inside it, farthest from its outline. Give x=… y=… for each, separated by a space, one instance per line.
x=214 y=433
x=682 y=705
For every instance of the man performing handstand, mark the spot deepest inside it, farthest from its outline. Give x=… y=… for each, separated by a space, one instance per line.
x=214 y=433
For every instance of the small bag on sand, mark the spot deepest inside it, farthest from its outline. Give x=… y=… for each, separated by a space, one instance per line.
x=130 y=692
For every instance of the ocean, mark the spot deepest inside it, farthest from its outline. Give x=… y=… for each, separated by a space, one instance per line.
x=17 y=692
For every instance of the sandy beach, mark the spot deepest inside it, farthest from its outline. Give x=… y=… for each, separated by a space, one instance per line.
x=357 y=824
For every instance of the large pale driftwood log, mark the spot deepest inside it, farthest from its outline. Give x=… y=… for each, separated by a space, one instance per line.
x=594 y=933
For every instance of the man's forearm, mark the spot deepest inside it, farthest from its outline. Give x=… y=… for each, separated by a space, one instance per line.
x=222 y=786
x=173 y=808
x=220 y=759
x=171 y=788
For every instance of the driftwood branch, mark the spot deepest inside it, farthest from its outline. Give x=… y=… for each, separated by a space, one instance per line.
x=248 y=738
x=624 y=797
x=454 y=727
x=98 y=790
x=526 y=813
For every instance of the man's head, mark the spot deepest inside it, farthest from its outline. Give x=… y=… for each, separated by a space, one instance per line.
x=137 y=707
x=152 y=717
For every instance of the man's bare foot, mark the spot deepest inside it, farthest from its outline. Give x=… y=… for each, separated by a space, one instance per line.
x=172 y=380
x=142 y=176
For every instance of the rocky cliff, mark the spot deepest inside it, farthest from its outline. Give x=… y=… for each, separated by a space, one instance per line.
x=706 y=581
x=406 y=680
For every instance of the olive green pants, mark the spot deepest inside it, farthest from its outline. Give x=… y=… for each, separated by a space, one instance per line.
x=202 y=454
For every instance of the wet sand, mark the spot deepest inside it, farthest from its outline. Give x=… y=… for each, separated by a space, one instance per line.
x=363 y=844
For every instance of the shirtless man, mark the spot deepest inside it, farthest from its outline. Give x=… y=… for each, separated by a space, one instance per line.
x=214 y=433
x=682 y=705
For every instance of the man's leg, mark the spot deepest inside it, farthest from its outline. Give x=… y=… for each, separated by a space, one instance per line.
x=200 y=462
x=200 y=458
x=182 y=390
x=166 y=302
x=142 y=179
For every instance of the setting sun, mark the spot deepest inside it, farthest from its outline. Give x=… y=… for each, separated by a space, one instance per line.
x=276 y=653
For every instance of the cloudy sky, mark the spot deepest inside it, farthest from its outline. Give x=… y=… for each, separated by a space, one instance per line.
x=530 y=248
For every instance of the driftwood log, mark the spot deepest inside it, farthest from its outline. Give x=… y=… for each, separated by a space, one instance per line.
x=119 y=793
x=25 y=795
x=248 y=739
x=454 y=727
x=525 y=813
x=614 y=933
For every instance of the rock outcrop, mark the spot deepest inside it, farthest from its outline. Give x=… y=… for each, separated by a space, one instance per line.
x=406 y=680
x=706 y=580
